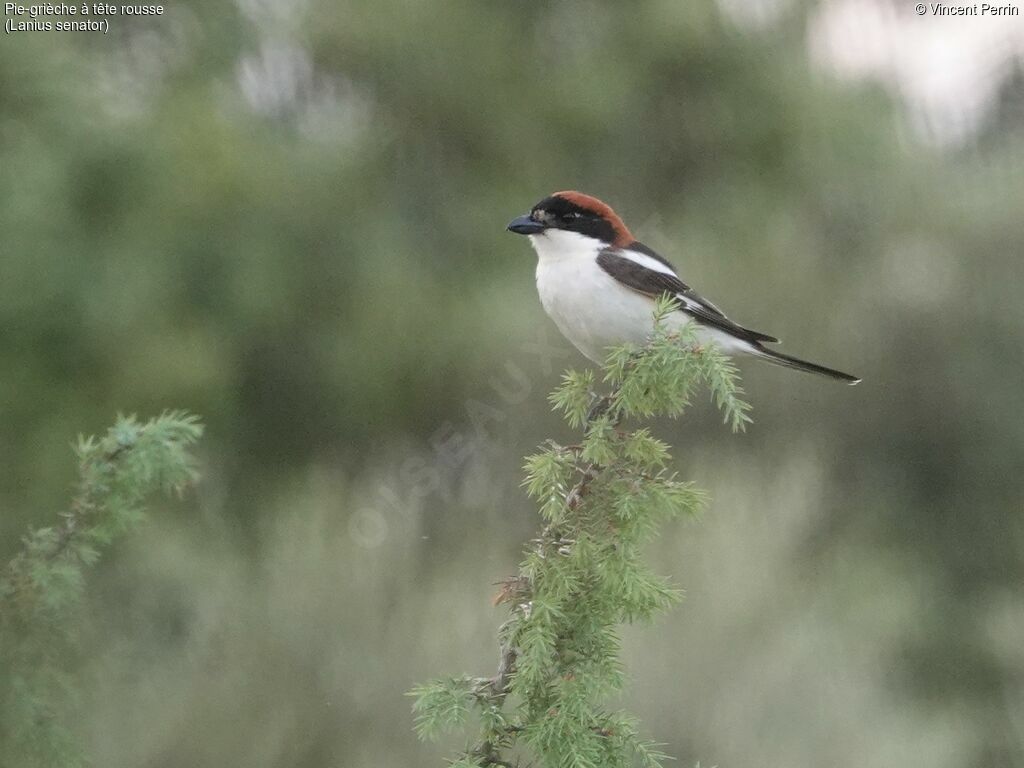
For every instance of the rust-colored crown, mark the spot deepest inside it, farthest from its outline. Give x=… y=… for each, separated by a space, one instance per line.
x=622 y=234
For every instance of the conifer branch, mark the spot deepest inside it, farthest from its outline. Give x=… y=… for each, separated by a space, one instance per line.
x=601 y=500
x=41 y=587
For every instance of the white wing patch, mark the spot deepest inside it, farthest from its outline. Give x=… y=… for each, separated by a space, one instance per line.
x=646 y=261
x=702 y=304
x=697 y=303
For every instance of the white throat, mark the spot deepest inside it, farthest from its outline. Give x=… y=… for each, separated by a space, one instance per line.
x=559 y=245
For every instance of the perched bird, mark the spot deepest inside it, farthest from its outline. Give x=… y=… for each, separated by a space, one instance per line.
x=599 y=285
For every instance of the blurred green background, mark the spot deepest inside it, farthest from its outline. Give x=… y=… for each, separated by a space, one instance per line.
x=289 y=218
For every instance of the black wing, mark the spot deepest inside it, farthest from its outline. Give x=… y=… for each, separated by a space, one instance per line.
x=650 y=282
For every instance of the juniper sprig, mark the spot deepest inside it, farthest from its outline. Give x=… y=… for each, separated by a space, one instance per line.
x=601 y=501
x=41 y=587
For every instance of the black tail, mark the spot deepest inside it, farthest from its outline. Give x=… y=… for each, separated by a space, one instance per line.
x=802 y=365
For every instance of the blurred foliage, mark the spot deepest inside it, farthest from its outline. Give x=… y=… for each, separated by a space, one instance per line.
x=288 y=216
x=41 y=587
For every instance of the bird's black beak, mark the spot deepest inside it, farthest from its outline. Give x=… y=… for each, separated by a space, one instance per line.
x=524 y=225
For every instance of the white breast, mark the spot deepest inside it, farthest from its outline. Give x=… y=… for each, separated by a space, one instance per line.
x=590 y=308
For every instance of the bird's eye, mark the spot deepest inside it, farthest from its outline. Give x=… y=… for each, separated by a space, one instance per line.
x=574 y=215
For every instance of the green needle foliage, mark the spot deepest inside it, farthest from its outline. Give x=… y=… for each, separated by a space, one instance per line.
x=601 y=501
x=40 y=589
